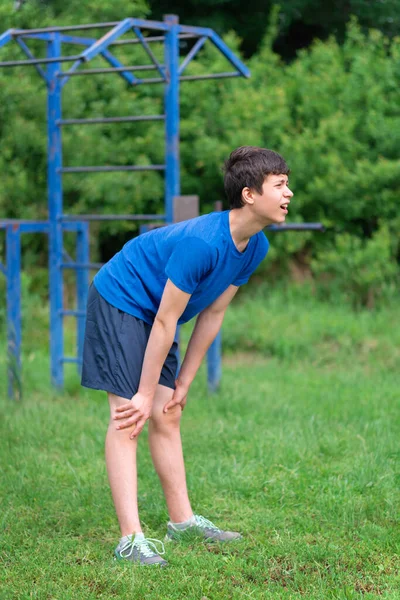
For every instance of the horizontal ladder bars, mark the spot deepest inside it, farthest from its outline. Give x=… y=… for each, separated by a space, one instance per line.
x=71 y=359
x=40 y=61
x=106 y=70
x=110 y=169
x=110 y=120
x=297 y=227
x=92 y=266
x=158 y=25
x=155 y=38
x=112 y=218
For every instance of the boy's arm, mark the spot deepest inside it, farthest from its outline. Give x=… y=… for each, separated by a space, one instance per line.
x=208 y=324
x=138 y=410
x=172 y=305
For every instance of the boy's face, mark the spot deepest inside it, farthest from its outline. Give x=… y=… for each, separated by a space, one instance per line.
x=272 y=204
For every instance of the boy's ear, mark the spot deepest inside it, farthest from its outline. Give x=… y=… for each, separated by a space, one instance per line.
x=247 y=195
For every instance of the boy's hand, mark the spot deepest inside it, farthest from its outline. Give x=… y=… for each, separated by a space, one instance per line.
x=136 y=411
x=179 y=397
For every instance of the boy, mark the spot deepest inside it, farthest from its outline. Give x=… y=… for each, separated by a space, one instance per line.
x=158 y=280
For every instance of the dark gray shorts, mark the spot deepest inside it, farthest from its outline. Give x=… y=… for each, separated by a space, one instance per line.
x=114 y=347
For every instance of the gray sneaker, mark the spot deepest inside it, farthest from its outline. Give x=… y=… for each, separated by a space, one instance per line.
x=202 y=528
x=141 y=550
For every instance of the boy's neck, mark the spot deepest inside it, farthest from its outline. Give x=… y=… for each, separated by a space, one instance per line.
x=243 y=226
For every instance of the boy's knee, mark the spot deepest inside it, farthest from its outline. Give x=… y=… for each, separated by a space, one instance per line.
x=162 y=420
x=124 y=432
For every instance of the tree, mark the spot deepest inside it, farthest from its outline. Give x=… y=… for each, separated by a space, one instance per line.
x=300 y=21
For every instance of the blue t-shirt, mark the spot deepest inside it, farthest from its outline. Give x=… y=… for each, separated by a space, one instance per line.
x=198 y=256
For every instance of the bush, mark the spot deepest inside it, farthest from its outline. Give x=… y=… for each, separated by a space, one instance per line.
x=363 y=271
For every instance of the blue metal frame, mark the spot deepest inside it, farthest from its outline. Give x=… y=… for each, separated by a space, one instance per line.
x=82 y=285
x=5 y=37
x=13 y=273
x=50 y=69
x=171 y=99
x=55 y=208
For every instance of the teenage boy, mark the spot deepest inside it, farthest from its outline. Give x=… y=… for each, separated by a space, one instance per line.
x=156 y=282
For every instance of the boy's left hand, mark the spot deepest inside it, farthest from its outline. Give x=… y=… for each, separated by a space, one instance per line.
x=179 y=397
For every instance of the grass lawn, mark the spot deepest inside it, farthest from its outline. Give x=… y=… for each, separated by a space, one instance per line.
x=299 y=450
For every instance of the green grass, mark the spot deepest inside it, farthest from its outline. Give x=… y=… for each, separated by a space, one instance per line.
x=299 y=451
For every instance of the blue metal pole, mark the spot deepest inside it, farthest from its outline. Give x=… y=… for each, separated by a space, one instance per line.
x=171 y=61
x=5 y=37
x=13 y=271
x=55 y=204
x=214 y=364
x=82 y=286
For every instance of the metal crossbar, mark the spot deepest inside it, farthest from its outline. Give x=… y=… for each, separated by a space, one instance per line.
x=64 y=28
x=71 y=359
x=110 y=169
x=77 y=40
x=158 y=25
x=73 y=313
x=107 y=70
x=157 y=38
x=111 y=120
x=39 y=61
x=153 y=79
x=73 y=265
x=112 y=217
x=297 y=227
x=211 y=76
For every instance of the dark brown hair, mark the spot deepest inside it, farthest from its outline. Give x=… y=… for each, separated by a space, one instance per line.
x=248 y=166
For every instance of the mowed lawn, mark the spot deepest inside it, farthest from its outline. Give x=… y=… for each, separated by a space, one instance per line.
x=299 y=450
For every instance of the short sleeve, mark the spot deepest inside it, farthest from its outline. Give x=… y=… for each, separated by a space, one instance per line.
x=258 y=254
x=190 y=262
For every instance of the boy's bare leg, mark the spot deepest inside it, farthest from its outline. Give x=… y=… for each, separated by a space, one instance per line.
x=166 y=451
x=122 y=474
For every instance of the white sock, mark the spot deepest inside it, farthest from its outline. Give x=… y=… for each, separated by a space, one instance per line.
x=185 y=524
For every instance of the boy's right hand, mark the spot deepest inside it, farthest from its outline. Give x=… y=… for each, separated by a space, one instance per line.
x=179 y=397
x=136 y=411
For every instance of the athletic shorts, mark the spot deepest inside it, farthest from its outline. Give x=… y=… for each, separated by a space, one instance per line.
x=114 y=347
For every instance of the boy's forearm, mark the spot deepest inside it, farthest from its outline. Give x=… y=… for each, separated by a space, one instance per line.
x=205 y=331
x=160 y=341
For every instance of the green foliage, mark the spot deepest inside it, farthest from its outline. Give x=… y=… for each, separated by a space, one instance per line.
x=364 y=271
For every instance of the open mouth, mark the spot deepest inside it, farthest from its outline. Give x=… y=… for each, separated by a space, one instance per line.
x=284 y=207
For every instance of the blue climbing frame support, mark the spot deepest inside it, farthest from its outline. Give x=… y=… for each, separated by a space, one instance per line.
x=14 y=228
x=171 y=58
x=13 y=243
x=82 y=286
x=168 y=32
x=55 y=204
